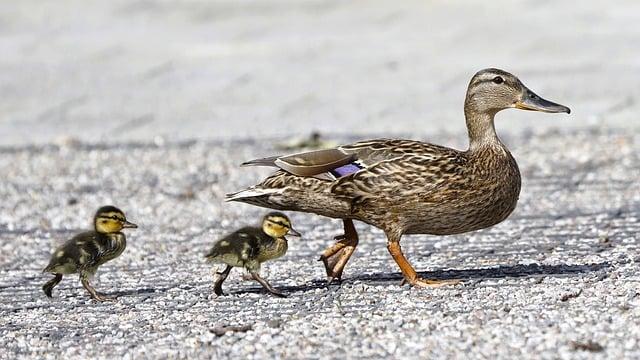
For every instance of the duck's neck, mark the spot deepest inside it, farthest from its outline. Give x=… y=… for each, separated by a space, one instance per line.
x=481 y=130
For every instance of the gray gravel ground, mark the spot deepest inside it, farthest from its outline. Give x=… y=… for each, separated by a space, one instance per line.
x=559 y=278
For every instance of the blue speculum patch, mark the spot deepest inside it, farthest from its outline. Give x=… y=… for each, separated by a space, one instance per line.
x=347 y=169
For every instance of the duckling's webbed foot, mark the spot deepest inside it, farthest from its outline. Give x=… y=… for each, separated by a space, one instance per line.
x=48 y=287
x=336 y=256
x=219 y=279
x=409 y=273
x=92 y=292
x=266 y=285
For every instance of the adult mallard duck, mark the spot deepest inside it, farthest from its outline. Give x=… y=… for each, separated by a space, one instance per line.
x=406 y=186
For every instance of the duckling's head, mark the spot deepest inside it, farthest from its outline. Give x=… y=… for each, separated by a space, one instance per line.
x=492 y=90
x=110 y=219
x=277 y=225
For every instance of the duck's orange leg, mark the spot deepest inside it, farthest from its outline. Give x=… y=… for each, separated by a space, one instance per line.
x=409 y=273
x=336 y=256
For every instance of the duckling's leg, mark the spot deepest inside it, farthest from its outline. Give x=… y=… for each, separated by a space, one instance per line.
x=335 y=257
x=48 y=287
x=84 y=278
x=266 y=285
x=410 y=275
x=222 y=276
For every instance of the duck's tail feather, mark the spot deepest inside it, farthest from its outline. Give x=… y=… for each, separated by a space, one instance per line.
x=252 y=192
x=263 y=197
x=278 y=199
x=267 y=161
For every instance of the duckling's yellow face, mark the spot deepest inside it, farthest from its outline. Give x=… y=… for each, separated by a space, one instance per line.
x=111 y=221
x=277 y=225
x=492 y=90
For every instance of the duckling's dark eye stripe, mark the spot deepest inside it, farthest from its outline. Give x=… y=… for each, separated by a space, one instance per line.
x=112 y=217
x=280 y=223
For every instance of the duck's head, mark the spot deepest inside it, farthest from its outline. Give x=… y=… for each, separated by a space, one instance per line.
x=110 y=219
x=492 y=90
x=277 y=225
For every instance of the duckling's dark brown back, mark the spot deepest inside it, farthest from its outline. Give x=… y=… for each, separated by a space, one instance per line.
x=85 y=250
x=246 y=239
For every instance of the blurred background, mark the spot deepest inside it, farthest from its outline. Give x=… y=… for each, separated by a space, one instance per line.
x=171 y=70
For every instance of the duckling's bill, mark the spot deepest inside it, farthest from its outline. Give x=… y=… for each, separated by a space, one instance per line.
x=533 y=102
x=129 y=225
x=294 y=232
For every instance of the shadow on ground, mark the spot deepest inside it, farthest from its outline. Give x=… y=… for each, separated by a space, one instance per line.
x=500 y=272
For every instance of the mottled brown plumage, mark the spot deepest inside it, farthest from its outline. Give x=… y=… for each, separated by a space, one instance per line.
x=85 y=252
x=406 y=186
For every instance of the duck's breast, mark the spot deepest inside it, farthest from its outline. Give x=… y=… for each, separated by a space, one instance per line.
x=487 y=196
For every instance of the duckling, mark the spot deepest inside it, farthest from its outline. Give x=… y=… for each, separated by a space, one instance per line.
x=405 y=186
x=85 y=252
x=250 y=246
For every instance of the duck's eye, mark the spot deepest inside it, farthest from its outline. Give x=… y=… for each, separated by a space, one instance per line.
x=498 y=80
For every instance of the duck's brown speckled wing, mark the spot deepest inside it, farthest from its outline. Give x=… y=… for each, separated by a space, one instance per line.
x=402 y=176
x=367 y=153
x=307 y=163
x=373 y=151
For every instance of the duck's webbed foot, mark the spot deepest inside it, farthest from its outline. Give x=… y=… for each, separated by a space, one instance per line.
x=420 y=282
x=219 y=279
x=266 y=285
x=48 y=287
x=409 y=273
x=336 y=256
x=92 y=292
